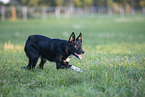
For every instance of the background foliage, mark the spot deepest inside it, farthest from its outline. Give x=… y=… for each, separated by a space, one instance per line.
x=80 y=3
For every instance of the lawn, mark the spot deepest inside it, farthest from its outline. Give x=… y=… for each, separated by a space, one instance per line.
x=113 y=65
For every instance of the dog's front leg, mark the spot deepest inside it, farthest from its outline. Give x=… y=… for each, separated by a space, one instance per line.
x=76 y=68
x=62 y=66
x=66 y=66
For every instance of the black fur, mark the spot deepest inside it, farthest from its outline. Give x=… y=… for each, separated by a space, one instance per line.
x=54 y=50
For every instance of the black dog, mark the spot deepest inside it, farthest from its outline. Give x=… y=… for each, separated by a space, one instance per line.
x=54 y=50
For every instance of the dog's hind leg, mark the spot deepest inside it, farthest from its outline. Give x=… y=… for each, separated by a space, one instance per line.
x=41 y=65
x=32 y=62
x=32 y=53
x=33 y=58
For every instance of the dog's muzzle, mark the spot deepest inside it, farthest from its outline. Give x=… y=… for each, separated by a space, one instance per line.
x=79 y=56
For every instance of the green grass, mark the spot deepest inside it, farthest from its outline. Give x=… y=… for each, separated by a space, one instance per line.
x=114 y=63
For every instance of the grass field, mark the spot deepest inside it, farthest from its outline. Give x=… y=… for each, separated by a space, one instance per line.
x=113 y=66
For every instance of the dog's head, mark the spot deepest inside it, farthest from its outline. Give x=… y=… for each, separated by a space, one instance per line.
x=75 y=45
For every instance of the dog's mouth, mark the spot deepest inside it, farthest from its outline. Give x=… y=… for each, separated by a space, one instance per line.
x=79 y=56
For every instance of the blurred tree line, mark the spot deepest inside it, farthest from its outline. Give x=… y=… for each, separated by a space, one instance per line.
x=81 y=3
x=68 y=8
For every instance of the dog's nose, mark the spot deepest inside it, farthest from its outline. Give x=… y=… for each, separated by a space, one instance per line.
x=83 y=51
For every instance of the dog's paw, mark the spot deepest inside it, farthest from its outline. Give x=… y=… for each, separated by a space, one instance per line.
x=76 y=68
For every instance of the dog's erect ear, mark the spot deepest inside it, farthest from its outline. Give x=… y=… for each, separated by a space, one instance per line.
x=72 y=37
x=79 y=38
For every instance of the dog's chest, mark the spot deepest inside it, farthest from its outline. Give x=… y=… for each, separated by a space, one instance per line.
x=67 y=59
